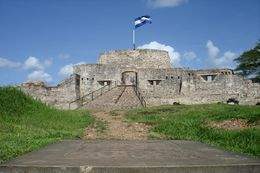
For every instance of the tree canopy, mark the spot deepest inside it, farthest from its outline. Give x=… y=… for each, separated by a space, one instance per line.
x=249 y=63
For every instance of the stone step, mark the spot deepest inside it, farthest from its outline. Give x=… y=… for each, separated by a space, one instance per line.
x=113 y=156
x=129 y=99
x=121 y=97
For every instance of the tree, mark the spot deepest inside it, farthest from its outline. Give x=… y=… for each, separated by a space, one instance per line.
x=249 y=63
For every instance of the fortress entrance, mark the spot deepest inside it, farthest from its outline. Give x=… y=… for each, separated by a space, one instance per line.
x=129 y=78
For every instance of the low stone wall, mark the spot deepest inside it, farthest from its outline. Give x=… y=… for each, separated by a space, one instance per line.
x=58 y=96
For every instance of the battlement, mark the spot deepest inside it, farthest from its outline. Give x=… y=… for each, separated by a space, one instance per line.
x=140 y=58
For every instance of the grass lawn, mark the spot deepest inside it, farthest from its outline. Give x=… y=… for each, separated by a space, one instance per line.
x=26 y=124
x=189 y=122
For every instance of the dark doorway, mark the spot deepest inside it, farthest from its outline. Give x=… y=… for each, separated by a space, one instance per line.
x=129 y=78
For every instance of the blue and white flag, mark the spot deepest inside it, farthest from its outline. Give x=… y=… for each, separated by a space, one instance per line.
x=140 y=21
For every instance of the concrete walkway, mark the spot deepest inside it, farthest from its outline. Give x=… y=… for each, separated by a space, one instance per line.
x=114 y=156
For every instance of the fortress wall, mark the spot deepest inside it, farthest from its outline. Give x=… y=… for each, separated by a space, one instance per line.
x=157 y=81
x=225 y=87
x=169 y=82
x=140 y=58
x=175 y=85
x=217 y=90
x=87 y=73
x=58 y=96
x=191 y=88
x=92 y=75
x=253 y=95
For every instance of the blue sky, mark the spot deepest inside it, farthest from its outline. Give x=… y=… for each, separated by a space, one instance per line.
x=42 y=39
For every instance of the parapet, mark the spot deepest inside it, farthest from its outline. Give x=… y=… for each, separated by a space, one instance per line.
x=140 y=58
x=224 y=71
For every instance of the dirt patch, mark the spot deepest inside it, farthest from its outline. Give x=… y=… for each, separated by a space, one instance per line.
x=232 y=124
x=116 y=127
x=90 y=133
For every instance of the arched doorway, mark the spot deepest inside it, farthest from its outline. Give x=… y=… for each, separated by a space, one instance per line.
x=129 y=78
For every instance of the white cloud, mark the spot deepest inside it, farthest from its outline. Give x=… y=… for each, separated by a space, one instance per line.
x=224 y=61
x=37 y=67
x=165 y=3
x=47 y=62
x=190 y=55
x=33 y=63
x=39 y=75
x=5 y=63
x=64 y=56
x=213 y=51
x=227 y=60
x=67 y=70
x=175 y=56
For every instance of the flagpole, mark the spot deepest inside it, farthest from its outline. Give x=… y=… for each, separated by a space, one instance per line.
x=134 y=38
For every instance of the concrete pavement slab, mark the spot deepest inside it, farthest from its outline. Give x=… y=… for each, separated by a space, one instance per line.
x=79 y=156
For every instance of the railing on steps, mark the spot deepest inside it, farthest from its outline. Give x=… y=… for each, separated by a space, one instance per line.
x=139 y=95
x=120 y=95
x=92 y=95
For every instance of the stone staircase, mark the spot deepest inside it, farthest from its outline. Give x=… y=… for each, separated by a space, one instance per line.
x=128 y=99
x=120 y=97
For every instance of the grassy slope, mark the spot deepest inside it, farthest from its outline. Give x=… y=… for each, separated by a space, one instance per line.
x=188 y=122
x=26 y=124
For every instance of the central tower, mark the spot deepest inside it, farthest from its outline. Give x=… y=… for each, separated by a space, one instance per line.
x=140 y=58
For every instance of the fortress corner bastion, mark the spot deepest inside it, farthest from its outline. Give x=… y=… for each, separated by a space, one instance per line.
x=142 y=77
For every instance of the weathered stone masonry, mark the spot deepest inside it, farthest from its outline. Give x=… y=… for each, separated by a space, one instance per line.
x=58 y=96
x=158 y=83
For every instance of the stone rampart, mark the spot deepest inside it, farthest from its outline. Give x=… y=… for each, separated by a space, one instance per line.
x=58 y=96
x=195 y=88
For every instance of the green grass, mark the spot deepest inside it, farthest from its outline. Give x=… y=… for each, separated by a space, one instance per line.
x=100 y=126
x=27 y=124
x=188 y=122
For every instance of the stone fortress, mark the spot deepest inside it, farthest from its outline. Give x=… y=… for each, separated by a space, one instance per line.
x=142 y=77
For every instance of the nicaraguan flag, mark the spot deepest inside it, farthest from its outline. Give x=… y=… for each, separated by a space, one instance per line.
x=140 y=21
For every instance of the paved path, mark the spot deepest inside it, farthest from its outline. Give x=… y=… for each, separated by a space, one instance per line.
x=97 y=156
